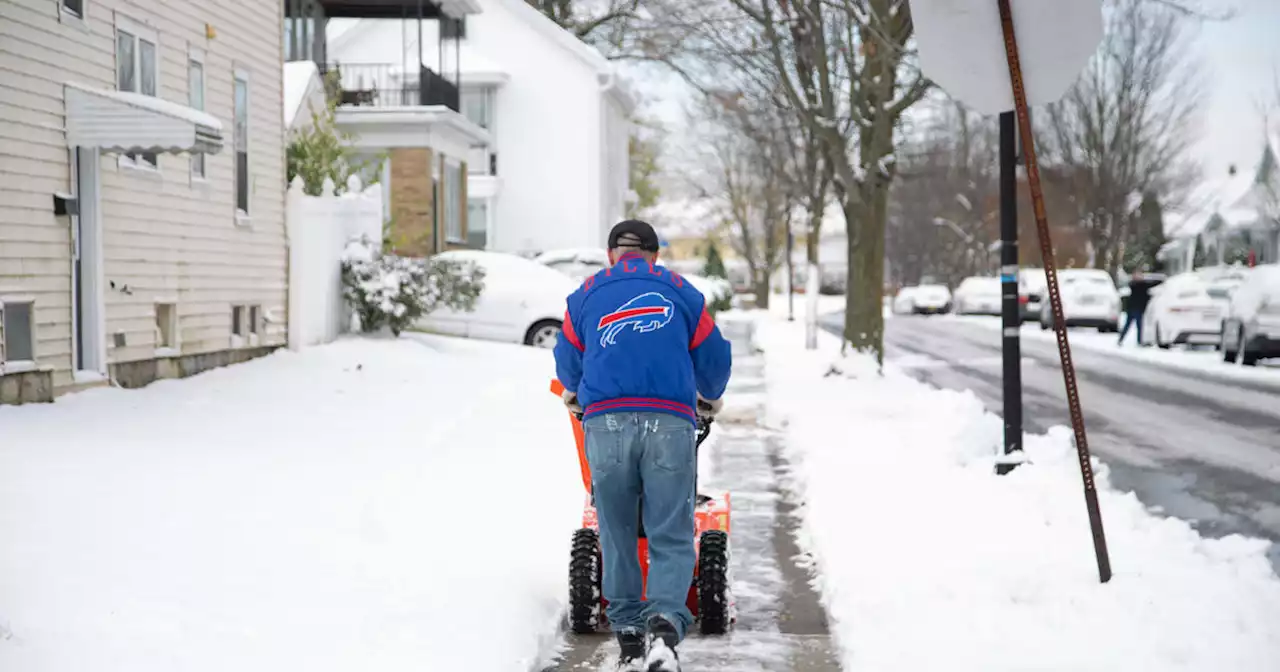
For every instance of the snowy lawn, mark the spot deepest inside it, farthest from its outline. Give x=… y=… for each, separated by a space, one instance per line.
x=369 y=505
x=931 y=562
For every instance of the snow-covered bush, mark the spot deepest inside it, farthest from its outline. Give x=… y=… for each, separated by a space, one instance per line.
x=392 y=291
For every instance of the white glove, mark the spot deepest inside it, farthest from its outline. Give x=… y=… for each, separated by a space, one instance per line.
x=708 y=408
x=571 y=401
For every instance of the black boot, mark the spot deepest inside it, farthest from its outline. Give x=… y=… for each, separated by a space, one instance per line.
x=632 y=651
x=663 y=637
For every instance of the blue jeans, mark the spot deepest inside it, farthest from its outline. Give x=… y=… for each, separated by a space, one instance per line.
x=650 y=456
x=1131 y=319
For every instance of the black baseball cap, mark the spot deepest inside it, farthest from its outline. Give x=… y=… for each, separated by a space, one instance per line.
x=633 y=233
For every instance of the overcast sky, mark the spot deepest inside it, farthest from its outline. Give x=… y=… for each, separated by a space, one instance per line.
x=1240 y=60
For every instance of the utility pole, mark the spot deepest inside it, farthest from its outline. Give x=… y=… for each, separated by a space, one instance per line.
x=1011 y=309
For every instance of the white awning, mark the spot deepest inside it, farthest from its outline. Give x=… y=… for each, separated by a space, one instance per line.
x=121 y=121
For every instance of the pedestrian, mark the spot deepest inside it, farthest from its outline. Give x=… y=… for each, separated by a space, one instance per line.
x=640 y=357
x=1139 y=297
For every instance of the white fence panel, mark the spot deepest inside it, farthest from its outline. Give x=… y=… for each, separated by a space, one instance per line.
x=319 y=228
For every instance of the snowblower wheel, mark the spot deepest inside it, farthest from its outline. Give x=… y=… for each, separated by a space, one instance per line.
x=713 y=582
x=584 y=582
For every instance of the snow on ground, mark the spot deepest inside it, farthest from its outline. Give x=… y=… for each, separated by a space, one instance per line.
x=1200 y=360
x=368 y=505
x=929 y=561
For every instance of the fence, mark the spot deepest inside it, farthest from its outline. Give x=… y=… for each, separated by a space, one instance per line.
x=319 y=228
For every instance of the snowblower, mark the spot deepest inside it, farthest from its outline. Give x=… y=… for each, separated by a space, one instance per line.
x=709 y=598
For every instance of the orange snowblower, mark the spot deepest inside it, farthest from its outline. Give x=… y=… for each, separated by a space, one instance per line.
x=709 y=599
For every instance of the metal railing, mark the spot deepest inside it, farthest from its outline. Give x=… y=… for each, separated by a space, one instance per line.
x=386 y=85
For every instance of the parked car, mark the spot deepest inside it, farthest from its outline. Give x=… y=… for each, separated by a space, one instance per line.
x=580 y=264
x=522 y=301
x=978 y=296
x=1251 y=330
x=904 y=301
x=931 y=300
x=1032 y=289
x=577 y=263
x=1189 y=308
x=1089 y=299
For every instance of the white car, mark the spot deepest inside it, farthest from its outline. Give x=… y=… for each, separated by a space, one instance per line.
x=930 y=299
x=582 y=263
x=1251 y=330
x=1188 y=308
x=1033 y=288
x=577 y=263
x=522 y=301
x=978 y=296
x=1089 y=299
x=904 y=301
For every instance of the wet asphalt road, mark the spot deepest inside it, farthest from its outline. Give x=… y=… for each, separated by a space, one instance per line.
x=1198 y=446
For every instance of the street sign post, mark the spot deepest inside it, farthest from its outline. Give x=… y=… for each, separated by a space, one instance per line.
x=995 y=61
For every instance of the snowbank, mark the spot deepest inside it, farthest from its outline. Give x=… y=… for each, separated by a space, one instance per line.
x=1208 y=362
x=368 y=505
x=931 y=562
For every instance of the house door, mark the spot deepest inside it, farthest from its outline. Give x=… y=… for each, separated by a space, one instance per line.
x=89 y=350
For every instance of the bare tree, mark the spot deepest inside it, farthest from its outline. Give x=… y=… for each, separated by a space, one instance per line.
x=1125 y=129
x=943 y=204
x=747 y=155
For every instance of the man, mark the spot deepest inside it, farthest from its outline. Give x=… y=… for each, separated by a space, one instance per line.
x=637 y=355
x=1139 y=297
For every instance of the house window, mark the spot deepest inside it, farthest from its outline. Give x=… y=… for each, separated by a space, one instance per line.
x=17 y=335
x=453 y=202
x=195 y=98
x=255 y=318
x=242 y=143
x=237 y=320
x=73 y=7
x=136 y=72
x=166 y=326
x=477 y=223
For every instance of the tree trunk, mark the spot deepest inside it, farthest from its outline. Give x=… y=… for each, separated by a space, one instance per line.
x=762 y=290
x=864 y=311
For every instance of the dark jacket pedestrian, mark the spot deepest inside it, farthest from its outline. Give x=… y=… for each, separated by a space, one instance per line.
x=1139 y=296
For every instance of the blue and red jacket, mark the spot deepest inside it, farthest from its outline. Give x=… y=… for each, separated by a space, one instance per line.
x=638 y=337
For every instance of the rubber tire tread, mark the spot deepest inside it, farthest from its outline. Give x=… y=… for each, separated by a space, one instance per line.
x=713 y=582
x=584 y=582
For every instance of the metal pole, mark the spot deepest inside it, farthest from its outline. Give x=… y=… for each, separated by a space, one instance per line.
x=1055 y=298
x=1010 y=308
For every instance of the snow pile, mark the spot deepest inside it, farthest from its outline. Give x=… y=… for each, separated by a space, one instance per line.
x=368 y=505
x=929 y=561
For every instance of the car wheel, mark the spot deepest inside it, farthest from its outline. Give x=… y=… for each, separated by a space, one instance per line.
x=1228 y=355
x=1160 y=341
x=543 y=334
x=1245 y=357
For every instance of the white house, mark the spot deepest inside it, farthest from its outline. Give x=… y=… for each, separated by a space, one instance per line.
x=556 y=170
x=141 y=191
x=402 y=107
x=1240 y=215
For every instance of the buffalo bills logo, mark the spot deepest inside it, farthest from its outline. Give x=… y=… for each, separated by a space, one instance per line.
x=648 y=312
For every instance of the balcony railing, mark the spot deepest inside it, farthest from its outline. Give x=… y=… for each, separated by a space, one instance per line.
x=385 y=85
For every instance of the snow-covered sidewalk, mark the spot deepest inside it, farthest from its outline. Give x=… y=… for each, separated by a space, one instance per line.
x=930 y=562
x=368 y=505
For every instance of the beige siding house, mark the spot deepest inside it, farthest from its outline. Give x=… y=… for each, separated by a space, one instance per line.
x=141 y=190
